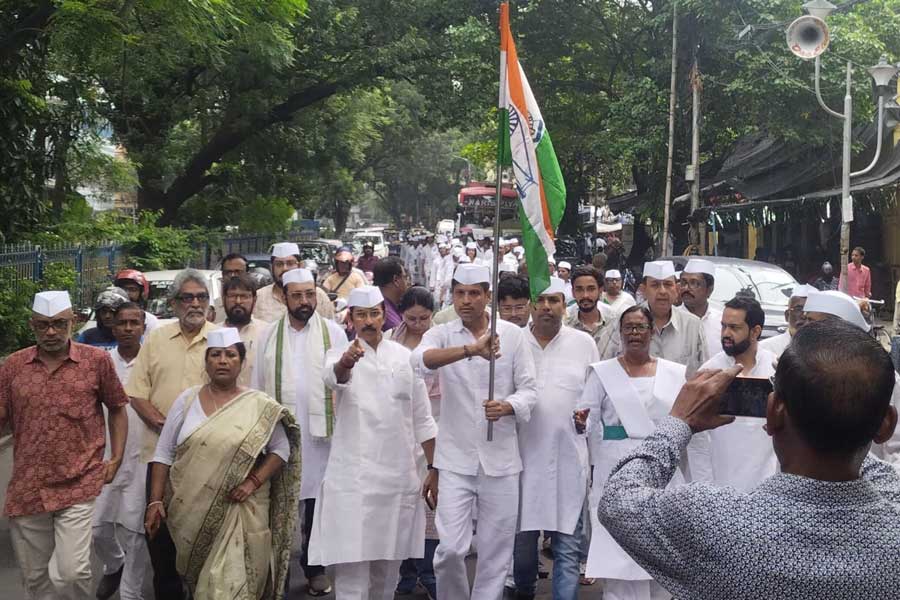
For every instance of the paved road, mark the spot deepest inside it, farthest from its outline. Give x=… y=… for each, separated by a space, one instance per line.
x=10 y=579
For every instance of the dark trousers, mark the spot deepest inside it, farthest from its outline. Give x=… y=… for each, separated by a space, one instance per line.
x=309 y=509
x=166 y=580
x=419 y=569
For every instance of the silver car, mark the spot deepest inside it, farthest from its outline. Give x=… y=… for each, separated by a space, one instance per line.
x=769 y=284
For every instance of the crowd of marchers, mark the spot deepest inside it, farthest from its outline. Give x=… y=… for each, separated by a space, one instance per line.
x=375 y=412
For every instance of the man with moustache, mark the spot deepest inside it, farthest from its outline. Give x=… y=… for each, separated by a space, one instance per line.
x=290 y=368
x=270 y=305
x=476 y=474
x=554 y=478
x=589 y=314
x=677 y=334
x=793 y=315
x=170 y=361
x=370 y=514
x=232 y=265
x=238 y=300
x=740 y=453
x=51 y=394
x=697 y=282
x=118 y=537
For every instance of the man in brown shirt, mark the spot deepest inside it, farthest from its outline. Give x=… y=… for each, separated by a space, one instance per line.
x=51 y=394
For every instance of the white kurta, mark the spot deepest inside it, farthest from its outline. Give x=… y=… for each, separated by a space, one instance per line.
x=555 y=458
x=314 y=450
x=624 y=411
x=712 y=328
x=741 y=453
x=622 y=302
x=122 y=501
x=777 y=344
x=369 y=506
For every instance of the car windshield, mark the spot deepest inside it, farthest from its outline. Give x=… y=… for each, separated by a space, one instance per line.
x=158 y=301
x=372 y=239
x=768 y=286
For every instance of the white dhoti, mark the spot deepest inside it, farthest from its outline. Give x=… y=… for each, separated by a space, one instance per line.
x=497 y=502
x=117 y=547
x=367 y=580
x=617 y=589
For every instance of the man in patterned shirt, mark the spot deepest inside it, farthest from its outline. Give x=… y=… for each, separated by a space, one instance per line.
x=826 y=526
x=51 y=394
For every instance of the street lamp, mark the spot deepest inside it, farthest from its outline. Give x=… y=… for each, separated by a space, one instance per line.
x=808 y=37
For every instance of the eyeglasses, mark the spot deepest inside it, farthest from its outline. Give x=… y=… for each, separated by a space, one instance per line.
x=190 y=298
x=57 y=324
x=286 y=264
x=694 y=284
x=638 y=328
x=796 y=310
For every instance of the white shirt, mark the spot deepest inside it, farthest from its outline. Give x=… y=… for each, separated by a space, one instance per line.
x=741 y=453
x=462 y=445
x=777 y=344
x=314 y=450
x=151 y=322
x=555 y=458
x=622 y=302
x=180 y=424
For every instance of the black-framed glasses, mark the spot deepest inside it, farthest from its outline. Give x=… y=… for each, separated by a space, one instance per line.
x=190 y=298
x=637 y=328
x=694 y=284
x=796 y=310
x=56 y=324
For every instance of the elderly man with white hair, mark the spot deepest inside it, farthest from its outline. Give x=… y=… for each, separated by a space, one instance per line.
x=555 y=461
x=291 y=362
x=370 y=514
x=171 y=360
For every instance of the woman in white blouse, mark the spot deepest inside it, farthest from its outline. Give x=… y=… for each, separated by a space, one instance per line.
x=225 y=480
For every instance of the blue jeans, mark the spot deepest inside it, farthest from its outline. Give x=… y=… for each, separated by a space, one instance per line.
x=566 y=551
x=419 y=569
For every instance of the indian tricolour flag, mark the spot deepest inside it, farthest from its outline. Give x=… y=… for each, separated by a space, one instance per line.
x=524 y=143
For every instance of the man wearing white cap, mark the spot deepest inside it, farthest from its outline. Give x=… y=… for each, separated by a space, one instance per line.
x=613 y=295
x=51 y=394
x=677 y=334
x=793 y=315
x=564 y=272
x=291 y=366
x=740 y=453
x=832 y=304
x=696 y=283
x=444 y=274
x=477 y=474
x=370 y=514
x=554 y=479
x=171 y=360
x=270 y=299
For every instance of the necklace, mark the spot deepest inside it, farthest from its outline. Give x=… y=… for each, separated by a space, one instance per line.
x=628 y=370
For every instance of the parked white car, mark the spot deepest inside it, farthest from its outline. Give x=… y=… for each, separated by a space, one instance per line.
x=376 y=238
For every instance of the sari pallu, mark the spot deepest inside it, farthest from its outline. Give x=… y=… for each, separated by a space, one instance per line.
x=230 y=550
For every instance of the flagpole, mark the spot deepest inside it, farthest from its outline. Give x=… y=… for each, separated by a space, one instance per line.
x=495 y=278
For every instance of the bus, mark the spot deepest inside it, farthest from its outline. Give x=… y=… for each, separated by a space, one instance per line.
x=478 y=202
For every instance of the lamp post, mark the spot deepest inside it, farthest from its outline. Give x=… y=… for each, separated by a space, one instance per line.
x=808 y=37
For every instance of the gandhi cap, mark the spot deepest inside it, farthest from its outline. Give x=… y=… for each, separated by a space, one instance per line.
x=557 y=286
x=612 y=274
x=565 y=265
x=700 y=265
x=297 y=276
x=837 y=304
x=51 y=304
x=366 y=296
x=285 y=249
x=659 y=269
x=222 y=338
x=469 y=274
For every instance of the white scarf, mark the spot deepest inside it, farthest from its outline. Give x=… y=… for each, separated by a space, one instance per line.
x=279 y=361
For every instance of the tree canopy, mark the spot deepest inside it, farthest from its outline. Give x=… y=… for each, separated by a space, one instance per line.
x=230 y=112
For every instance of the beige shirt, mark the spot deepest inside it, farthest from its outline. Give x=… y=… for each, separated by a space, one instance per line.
x=600 y=334
x=681 y=340
x=355 y=280
x=249 y=335
x=270 y=307
x=167 y=365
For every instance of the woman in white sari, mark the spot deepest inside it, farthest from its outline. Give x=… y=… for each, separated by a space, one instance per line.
x=220 y=482
x=622 y=402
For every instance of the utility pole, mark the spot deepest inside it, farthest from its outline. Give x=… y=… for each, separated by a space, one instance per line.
x=664 y=241
x=698 y=229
